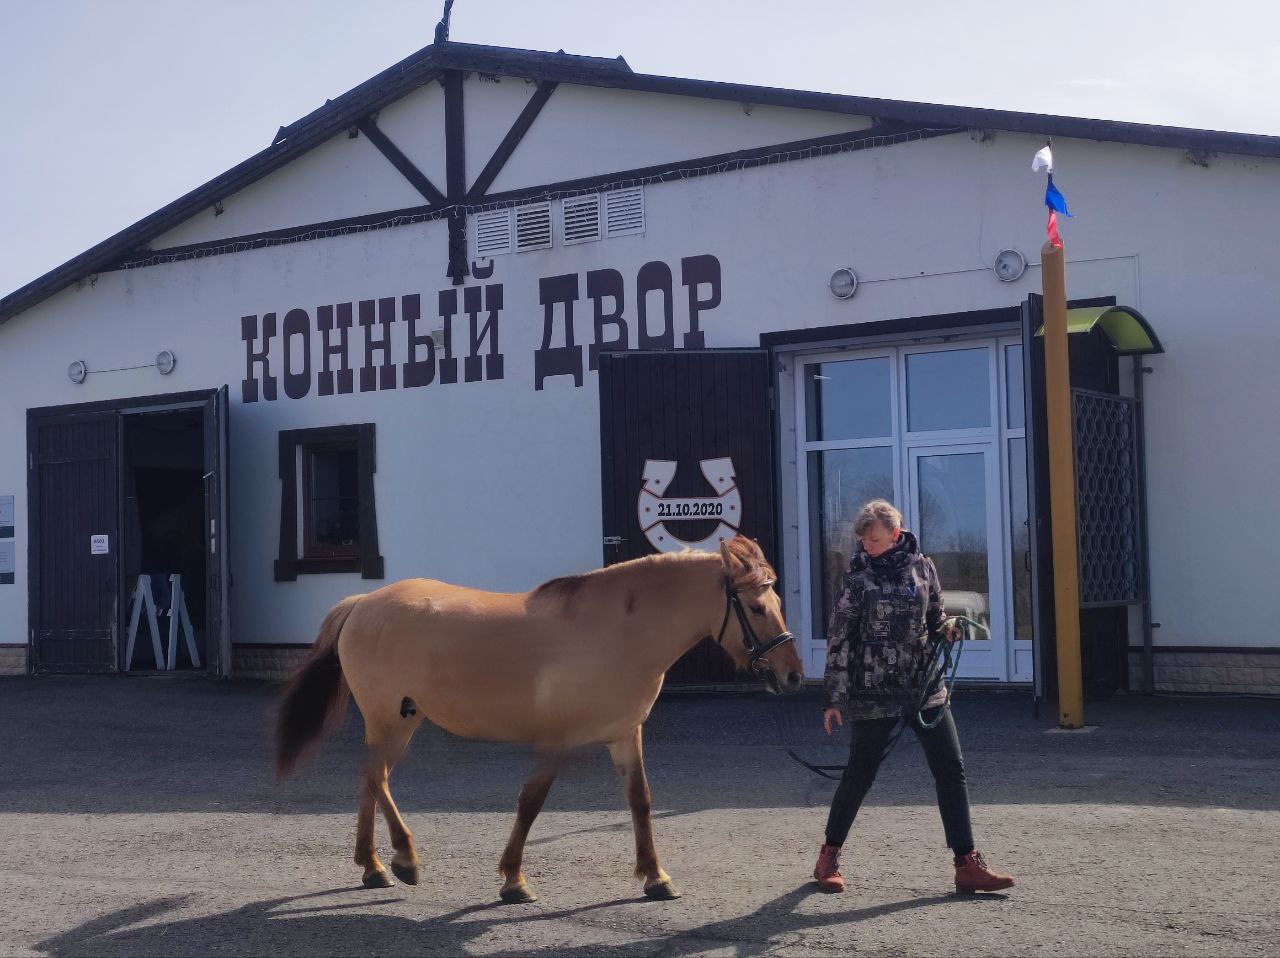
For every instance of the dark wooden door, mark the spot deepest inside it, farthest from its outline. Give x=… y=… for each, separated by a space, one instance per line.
x=695 y=430
x=216 y=529
x=73 y=499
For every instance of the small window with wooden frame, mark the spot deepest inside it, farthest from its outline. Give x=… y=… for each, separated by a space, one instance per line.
x=327 y=518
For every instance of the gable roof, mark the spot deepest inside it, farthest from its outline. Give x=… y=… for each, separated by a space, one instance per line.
x=430 y=62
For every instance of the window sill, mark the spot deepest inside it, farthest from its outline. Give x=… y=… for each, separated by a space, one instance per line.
x=288 y=572
x=321 y=564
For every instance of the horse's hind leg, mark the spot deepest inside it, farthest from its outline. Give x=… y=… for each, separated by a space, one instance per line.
x=515 y=889
x=628 y=758
x=385 y=744
x=404 y=860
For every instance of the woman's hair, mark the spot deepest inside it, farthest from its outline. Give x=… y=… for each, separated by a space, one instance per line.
x=877 y=512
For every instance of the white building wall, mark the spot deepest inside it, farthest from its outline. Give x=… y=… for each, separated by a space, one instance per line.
x=491 y=105
x=495 y=484
x=341 y=177
x=415 y=124
x=586 y=131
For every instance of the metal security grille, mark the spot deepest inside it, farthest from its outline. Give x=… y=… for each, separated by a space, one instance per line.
x=1107 y=506
x=624 y=211
x=533 y=227
x=580 y=219
x=493 y=233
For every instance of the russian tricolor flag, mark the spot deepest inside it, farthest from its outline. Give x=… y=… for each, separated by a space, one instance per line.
x=1053 y=198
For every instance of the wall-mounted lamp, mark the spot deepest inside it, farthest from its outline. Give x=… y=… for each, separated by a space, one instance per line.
x=843 y=283
x=1009 y=265
x=164 y=363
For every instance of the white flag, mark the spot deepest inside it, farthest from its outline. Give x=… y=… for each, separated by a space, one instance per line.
x=1043 y=161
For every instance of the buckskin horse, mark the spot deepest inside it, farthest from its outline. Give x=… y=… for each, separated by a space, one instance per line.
x=578 y=660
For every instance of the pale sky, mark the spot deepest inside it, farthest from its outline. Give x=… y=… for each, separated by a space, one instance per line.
x=113 y=108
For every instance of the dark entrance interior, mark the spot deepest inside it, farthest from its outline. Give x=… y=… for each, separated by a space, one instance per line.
x=163 y=521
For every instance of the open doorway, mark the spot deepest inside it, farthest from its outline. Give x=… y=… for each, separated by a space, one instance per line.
x=117 y=490
x=163 y=537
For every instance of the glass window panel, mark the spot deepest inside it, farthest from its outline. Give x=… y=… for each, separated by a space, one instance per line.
x=1015 y=399
x=335 y=505
x=953 y=530
x=1020 y=539
x=948 y=389
x=841 y=481
x=850 y=399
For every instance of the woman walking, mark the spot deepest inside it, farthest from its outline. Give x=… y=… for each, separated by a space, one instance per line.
x=888 y=609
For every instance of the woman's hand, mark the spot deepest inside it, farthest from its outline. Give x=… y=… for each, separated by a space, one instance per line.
x=832 y=715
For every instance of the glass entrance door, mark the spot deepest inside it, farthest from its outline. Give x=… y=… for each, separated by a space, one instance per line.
x=938 y=431
x=957 y=519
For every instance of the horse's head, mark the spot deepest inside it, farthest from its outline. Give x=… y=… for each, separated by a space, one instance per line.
x=762 y=644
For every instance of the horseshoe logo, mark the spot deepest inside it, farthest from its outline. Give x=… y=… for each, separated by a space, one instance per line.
x=654 y=510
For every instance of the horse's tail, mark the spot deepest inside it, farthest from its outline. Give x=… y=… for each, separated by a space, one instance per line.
x=317 y=694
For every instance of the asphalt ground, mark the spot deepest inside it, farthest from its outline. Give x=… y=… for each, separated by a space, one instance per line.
x=139 y=816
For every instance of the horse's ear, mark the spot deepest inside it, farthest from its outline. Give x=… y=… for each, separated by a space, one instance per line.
x=733 y=565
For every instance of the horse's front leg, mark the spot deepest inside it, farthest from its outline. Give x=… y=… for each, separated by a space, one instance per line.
x=515 y=889
x=628 y=758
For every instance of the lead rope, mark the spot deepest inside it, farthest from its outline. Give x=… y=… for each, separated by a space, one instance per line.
x=942 y=655
x=948 y=664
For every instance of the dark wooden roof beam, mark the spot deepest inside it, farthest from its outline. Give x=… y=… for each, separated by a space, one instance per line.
x=514 y=135
x=401 y=162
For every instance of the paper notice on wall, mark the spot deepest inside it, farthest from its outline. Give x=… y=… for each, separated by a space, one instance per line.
x=8 y=562
x=99 y=545
x=6 y=517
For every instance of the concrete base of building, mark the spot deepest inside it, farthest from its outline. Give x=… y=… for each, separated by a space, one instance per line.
x=13 y=660
x=1235 y=671
x=275 y=663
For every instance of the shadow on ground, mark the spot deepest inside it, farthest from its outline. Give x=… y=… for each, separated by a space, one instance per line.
x=294 y=924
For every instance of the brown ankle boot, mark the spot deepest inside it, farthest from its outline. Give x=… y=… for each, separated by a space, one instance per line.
x=827 y=871
x=973 y=875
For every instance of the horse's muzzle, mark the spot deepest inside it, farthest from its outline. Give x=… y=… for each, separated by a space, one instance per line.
x=781 y=686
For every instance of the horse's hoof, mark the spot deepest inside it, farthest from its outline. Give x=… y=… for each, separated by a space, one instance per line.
x=378 y=879
x=661 y=891
x=406 y=873
x=517 y=895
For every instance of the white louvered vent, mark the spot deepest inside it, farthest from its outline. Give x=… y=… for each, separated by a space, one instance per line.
x=580 y=219
x=624 y=211
x=533 y=227
x=493 y=233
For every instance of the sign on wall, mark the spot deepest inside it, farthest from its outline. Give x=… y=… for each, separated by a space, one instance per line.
x=655 y=511
x=406 y=342
x=8 y=551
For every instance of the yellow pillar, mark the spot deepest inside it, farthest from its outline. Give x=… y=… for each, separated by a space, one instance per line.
x=1062 y=488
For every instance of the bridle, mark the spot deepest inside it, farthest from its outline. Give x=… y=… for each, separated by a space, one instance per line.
x=756 y=649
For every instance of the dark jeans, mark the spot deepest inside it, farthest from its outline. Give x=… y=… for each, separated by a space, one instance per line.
x=872 y=741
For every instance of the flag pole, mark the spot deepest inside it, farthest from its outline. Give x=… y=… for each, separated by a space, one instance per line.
x=1062 y=487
